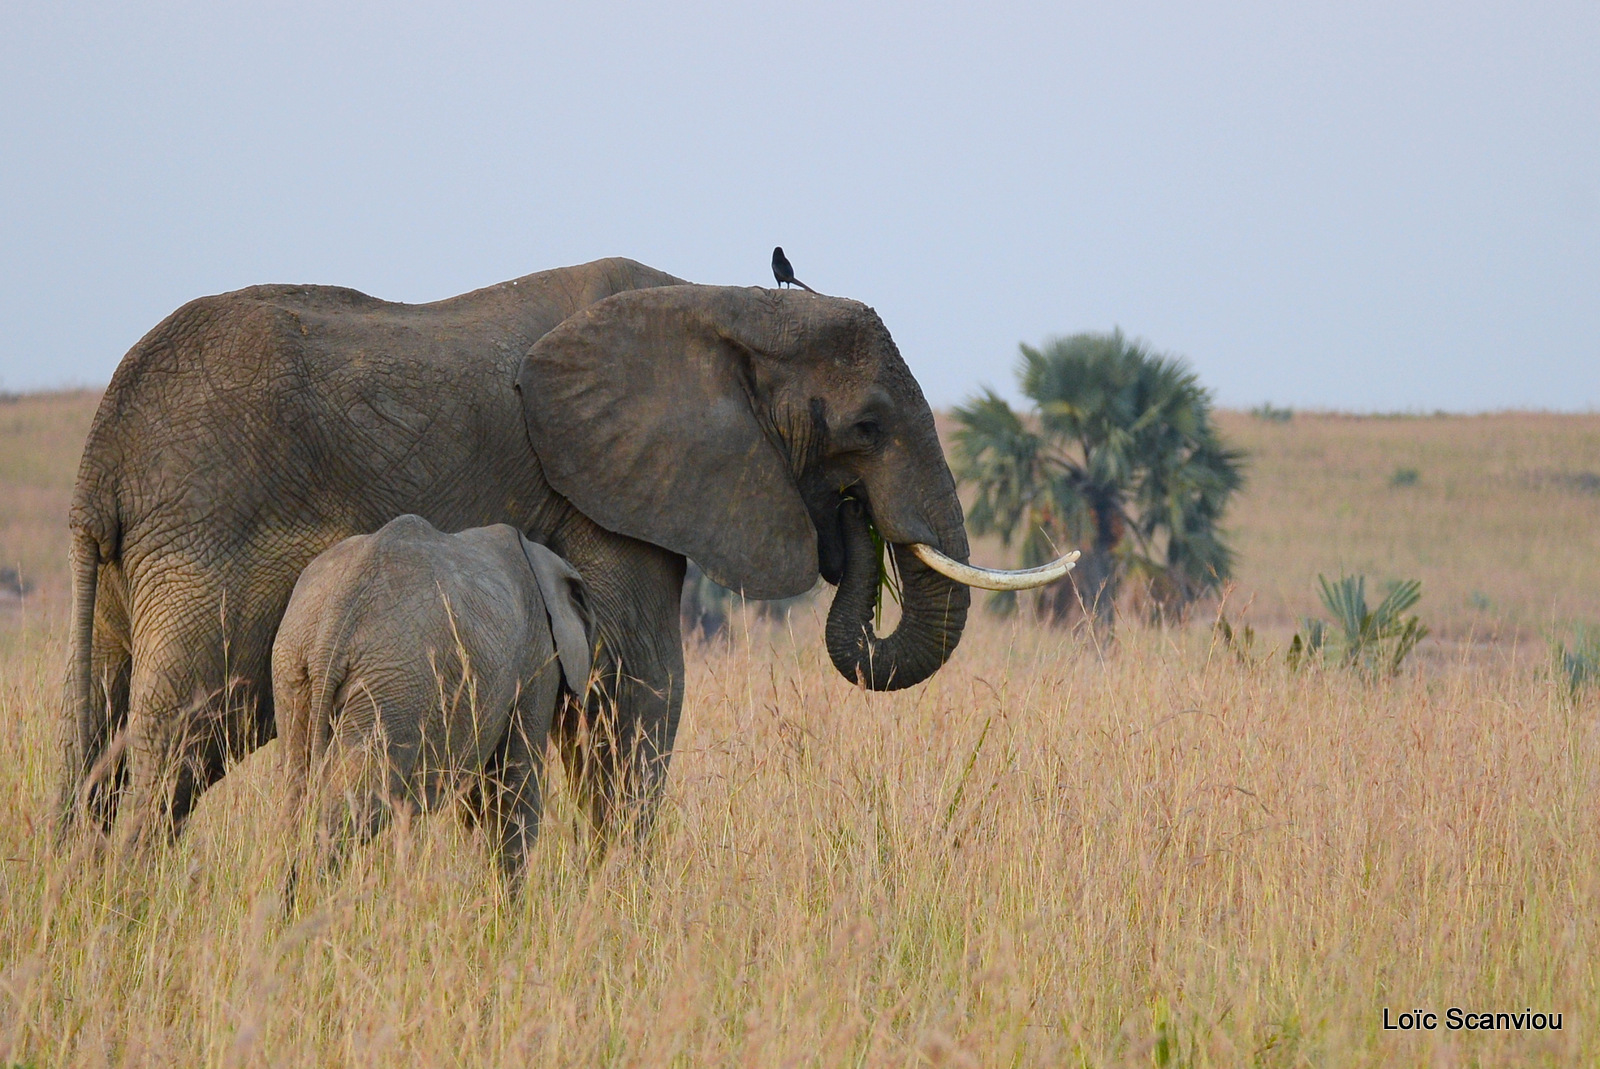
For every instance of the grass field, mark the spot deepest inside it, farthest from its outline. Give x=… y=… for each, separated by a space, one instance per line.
x=1502 y=522
x=1053 y=853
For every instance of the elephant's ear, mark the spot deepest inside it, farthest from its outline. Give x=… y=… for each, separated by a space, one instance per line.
x=642 y=409
x=566 y=600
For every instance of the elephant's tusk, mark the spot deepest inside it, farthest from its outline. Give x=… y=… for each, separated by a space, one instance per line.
x=993 y=578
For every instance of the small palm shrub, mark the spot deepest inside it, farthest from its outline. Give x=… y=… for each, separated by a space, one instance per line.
x=1577 y=667
x=1372 y=641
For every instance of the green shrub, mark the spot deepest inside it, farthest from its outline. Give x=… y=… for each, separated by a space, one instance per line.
x=1368 y=640
x=1240 y=642
x=1577 y=667
x=1272 y=414
x=1405 y=477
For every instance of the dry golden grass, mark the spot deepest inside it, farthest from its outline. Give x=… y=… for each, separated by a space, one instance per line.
x=1502 y=525
x=1042 y=857
x=1156 y=854
x=41 y=437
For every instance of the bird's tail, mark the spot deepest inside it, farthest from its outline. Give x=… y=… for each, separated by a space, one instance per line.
x=802 y=285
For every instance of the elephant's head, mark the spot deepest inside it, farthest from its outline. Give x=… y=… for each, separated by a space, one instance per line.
x=756 y=432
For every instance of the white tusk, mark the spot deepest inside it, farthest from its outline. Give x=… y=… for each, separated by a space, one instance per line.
x=993 y=578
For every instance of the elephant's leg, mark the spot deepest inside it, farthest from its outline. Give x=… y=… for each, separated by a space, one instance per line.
x=93 y=772
x=113 y=669
x=374 y=764
x=302 y=767
x=513 y=784
x=199 y=681
x=616 y=749
x=357 y=795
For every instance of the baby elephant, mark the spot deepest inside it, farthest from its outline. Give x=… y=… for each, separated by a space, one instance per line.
x=412 y=664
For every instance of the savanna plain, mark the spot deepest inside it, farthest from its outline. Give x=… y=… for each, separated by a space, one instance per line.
x=1162 y=849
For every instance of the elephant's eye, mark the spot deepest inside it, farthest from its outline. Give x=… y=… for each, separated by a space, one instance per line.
x=868 y=430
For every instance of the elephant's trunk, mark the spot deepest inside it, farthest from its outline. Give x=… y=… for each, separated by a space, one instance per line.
x=933 y=611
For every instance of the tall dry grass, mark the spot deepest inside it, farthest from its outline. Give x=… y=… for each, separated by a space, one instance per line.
x=1502 y=524
x=1048 y=855
x=41 y=438
x=1051 y=853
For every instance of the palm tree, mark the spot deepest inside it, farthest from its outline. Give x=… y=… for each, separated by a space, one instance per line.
x=1120 y=455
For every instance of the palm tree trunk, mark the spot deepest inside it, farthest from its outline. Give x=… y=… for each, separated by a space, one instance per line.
x=1098 y=573
x=1096 y=581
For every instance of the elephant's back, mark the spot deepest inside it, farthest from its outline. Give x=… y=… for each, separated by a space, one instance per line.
x=296 y=410
x=155 y=410
x=405 y=609
x=270 y=421
x=410 y=578
x=447 y=580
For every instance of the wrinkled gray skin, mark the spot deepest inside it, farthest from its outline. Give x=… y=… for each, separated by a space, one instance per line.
x=412 y=666
x=611 y=412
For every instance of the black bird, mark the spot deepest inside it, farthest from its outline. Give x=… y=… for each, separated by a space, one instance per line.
x=783 y=270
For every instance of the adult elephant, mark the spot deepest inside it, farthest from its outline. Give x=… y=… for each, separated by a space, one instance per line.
x=613 y=412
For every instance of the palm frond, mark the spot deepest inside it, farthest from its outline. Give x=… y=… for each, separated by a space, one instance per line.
x=998 y=454
x=1124 y=444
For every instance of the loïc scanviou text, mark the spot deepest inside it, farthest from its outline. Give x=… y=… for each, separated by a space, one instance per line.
x=1457 y=1019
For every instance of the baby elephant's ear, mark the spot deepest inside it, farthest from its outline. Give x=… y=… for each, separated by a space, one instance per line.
x=567 y=602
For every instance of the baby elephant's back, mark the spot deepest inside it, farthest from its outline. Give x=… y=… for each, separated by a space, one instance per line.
x=473 y=589
x=431 y=633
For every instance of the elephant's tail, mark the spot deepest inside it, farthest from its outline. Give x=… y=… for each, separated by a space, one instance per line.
x=327 y=668
x=84 y=740
x=343 y=789
x=325 y=683
x=305 y=700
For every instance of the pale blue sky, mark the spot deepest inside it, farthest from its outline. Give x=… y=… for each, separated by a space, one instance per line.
x=1355 y=205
